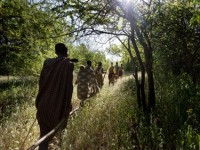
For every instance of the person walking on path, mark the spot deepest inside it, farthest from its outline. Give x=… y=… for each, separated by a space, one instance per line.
x=111 y=74
x=99 y=74
x=82 y=85
x=116 y=71
x=53 y=101
x=92 y=83
x=120 y=73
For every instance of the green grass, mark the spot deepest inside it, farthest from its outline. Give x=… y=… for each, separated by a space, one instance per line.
x=111 y=120
x=103 y=123
x=15 y=93
x=97 y=120
x=17 y=112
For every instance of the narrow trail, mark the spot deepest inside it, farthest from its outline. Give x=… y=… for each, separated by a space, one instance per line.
x=95 y=121
x=96 y=103
x=99 y=130
x=106 y=90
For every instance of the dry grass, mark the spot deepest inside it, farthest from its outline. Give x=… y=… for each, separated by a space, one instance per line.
x=97 y=120
x=97 y=125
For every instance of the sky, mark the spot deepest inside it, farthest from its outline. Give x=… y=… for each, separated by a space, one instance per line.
x=100 y=43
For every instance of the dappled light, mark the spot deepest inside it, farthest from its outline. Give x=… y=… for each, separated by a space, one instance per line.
x=100 y=74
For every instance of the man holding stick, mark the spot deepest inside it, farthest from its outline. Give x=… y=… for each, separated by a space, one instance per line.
x=53 y=101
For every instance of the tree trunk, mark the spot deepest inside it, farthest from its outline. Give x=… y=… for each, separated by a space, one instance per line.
x=142 y=88
x=149 y=68
x=135 y=73
x=151 y=92
x=138 y=87
x=142 y=84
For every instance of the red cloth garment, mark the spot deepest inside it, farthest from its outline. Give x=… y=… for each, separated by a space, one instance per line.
x=53 y=101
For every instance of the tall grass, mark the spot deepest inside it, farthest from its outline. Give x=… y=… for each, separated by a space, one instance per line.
x=14 y=129
x=14 y=94
x=111 y=120
x=178 y=114
x=174 y=124
x=17 y=114
x=103 y=123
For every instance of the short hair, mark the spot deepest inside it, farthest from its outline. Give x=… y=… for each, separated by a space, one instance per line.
x=61 y=49
x=89 y=63
x=82 y=67
x=100 y=64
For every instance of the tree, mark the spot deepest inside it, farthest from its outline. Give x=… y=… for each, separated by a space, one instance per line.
x=83 y=54
x=26 y=33
x=116 y=18
x=176 y=40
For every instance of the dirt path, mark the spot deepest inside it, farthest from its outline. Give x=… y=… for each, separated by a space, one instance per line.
x=97 y=123
x=18 y=125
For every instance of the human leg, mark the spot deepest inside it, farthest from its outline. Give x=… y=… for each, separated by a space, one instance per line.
x=43 y=146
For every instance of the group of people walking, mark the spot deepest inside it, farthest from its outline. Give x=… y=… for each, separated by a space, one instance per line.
x=114 y=73
x=89 y=81
x=53 y=101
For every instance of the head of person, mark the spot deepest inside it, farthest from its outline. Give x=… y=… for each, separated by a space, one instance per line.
x=99 y=64
x=116 y=63
x=82 y=68
x=111 y=63
x=89 y=63
x=61 y=49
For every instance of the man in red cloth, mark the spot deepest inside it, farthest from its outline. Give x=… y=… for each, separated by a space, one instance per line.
x=53 y=101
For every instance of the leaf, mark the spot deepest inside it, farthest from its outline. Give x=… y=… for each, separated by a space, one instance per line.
x=120 y=23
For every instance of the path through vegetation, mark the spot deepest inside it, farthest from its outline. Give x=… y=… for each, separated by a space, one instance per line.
x=94 y=126
x=97 y=125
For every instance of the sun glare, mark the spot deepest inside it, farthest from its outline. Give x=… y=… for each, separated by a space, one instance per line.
x=126 y=1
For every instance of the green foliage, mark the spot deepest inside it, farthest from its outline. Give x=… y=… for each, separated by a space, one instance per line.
x=83 y=54
x=176 y=41
x=16 y=115
x=15 y=93
x=25 y=37
x=114 y=121
x=174 y=124
x=177 y=113
x=111 y=119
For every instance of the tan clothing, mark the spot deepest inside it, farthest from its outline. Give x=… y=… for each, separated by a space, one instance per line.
x=82 y=85
x=92 y=82
x=99 y=76
x=111 y=74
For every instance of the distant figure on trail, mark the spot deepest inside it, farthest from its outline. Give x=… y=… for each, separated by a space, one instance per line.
x=116 y=71
x=120 y=73
x=92 y=83
x=111 y=74
x=82 y=85
x=99 y=74
x=53 y=101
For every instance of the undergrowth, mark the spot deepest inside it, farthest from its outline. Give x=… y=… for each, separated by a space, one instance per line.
x=111 y=120
x=14 y=94
x=103 y=123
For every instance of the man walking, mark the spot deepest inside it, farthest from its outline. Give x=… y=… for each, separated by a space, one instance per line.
x=53 y=101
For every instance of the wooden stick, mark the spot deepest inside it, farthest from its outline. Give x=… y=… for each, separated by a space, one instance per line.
x=52 y=132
